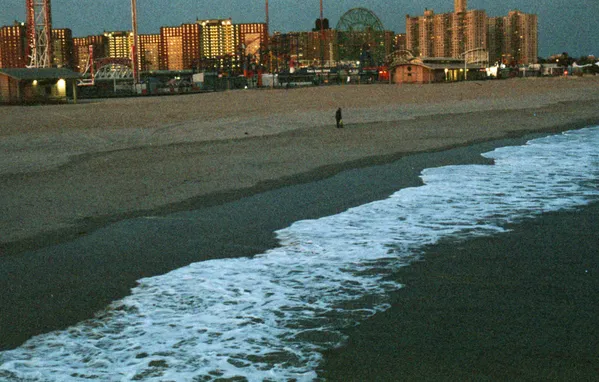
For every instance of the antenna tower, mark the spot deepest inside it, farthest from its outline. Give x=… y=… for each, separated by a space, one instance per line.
x=39 y=33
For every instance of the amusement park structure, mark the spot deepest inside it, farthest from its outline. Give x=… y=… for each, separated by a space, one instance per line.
x=39 y=33
x=361 y=37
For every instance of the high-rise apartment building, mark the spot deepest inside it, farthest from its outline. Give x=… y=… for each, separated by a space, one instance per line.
x=314 y=42
x=441 y=40
x=399 y=42
x=521 y=32
x=13 y=46
x=495 y=38
x=251 y=38
x=460 y=6
x=62 y=48
x=412 y=35
x=149 y=52
x=475 y=31
x=426 y=32
x=180 y=47
x=81 y=50
x=218 y=38
x=511 y=38
x=118 y=44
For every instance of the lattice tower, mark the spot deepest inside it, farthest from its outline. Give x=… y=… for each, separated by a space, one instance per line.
x=39 y=33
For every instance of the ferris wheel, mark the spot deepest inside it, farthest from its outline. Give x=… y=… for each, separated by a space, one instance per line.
x=361 y=36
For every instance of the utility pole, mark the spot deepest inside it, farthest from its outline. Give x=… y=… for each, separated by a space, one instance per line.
x=269 y=49
x=321 y=40
x=134 y=55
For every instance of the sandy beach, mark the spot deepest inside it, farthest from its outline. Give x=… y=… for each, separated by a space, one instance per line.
x=66 y=170
x=251 y=162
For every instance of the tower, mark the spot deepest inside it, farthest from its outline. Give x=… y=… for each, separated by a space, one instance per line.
x=459 y=6
x=39 y=33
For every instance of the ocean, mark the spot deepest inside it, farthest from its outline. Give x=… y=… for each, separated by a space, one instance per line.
x=270 y=317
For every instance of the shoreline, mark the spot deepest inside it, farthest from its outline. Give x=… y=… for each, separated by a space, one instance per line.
x=60 y=285
x=75 y=237
x=290 y=157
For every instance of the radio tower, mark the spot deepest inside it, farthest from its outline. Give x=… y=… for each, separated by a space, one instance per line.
x=39 y=33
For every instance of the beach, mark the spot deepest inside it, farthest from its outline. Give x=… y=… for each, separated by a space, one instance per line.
x=66 y=170
x=84 y=189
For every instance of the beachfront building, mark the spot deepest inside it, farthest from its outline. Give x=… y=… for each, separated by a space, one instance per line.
x=84 y=47
x=218 y=48
x=180 y=47
x=149 y=52
x=399 y=42
x=320 y=48
x=426 y=70
x=446 y=34
x=510 y=39
x=521 y=38
x=118 y=44
x=29 y=85
x=229 y=47
x=13 y=46
x=62 y=48
x=251 y=38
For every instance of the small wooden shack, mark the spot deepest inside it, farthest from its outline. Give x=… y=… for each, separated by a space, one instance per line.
x=33 y=85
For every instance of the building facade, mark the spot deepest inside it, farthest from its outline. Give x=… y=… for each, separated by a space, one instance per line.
x=252 y=40
x=180 y=47
x=149 y=52
x=508 y=39
x=62 y=48
x=84 y=47
x=118 y=44
x=218 y=39
x=13 y=46
x=521 y=38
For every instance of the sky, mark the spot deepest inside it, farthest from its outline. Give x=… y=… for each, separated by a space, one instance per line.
x=564 y=25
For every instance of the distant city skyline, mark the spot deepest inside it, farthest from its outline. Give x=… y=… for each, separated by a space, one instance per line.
x=563 y=25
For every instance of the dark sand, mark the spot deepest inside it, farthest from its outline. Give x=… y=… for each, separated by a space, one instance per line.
x=518 y=306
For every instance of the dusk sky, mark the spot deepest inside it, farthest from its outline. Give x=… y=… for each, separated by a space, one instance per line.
x=564 y=25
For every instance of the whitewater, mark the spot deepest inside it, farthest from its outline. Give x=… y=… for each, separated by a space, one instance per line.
x=270 y=317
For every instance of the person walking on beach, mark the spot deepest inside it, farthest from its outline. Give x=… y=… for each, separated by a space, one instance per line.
x=338 y=118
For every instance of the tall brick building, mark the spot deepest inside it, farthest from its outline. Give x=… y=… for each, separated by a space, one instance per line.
x=13 y=46
x=62 y=48
x=179 y=46
x=511 y=39
x=81 y=50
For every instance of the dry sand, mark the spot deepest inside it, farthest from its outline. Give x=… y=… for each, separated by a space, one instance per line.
x=67 y=169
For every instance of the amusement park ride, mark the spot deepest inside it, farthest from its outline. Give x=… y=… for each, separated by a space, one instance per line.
x=360 y=34
x=39 y=33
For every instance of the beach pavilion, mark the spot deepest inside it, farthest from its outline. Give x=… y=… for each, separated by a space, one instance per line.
x=32 y=85
x=425 y=70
